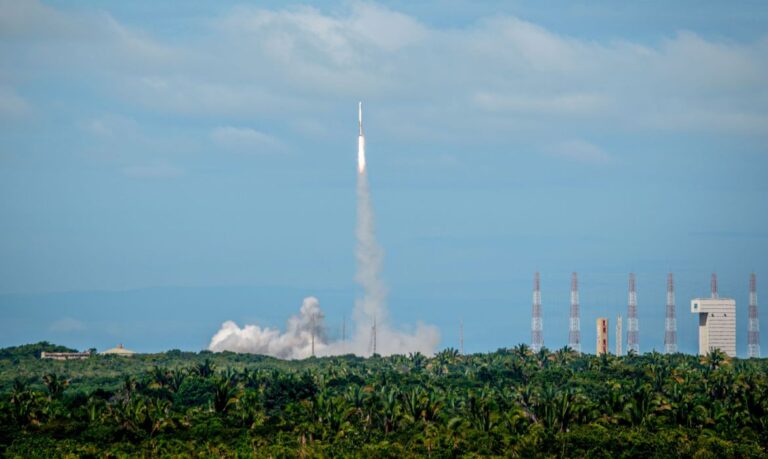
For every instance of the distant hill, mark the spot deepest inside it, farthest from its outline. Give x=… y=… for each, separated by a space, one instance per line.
x=32 y=350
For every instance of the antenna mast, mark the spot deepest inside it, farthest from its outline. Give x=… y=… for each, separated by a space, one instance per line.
x=670 y=324
x=753 y=334
x=633 y=332
x=537 y=326
x=313 y=334
x=574 y=331
x=374 y=334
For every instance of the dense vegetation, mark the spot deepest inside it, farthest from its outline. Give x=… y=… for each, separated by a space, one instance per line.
x=509 y=403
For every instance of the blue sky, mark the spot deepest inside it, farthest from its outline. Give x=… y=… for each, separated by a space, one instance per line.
x=166 y=168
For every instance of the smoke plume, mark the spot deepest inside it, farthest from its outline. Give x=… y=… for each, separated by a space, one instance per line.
x=295 y=343
x=370 y=314
x=305 y=333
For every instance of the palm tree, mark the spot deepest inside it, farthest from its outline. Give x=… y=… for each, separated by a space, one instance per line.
x=714 y=360
x=390 y=408
x=543 y=357
x=417 y=360
x=55 y=385
x=522 y=351
x=25 y=404
x=564 y=356
x=225 y=394
x=204 y=369
x=175 y=378
x=641 y=405
x=482 y=410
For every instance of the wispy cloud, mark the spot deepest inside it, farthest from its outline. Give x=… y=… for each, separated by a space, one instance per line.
x=501 y=73
x=246 y=140
x=581 y=151
x=110 y=125
x=547 y=104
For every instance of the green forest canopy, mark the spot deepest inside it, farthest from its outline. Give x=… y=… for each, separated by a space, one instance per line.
x=512 y=402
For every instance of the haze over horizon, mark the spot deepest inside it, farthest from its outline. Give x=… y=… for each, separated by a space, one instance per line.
x=166 y=168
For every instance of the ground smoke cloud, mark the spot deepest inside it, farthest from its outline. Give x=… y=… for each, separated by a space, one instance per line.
x=295 y=343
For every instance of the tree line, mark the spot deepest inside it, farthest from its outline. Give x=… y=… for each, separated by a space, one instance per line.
x=512 y=403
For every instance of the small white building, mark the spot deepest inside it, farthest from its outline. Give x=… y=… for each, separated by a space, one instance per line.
x=717 y=324
x=119 y=350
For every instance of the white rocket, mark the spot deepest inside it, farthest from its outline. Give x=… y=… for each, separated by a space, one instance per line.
x=360 y=140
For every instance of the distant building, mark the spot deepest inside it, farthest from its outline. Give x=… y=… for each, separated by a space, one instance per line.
x=65 y=355
x=717 y=324
x=119 y=350
x=602 y=336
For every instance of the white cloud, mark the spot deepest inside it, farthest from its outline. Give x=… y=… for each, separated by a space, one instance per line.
x=245 y=139
x=545 y=104
x=581 y=151
x=67 y=325
x=251 y=65
x=376 y=24
x=110 y=125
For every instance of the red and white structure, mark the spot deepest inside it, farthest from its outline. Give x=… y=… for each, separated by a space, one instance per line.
x=537 y=326
x=753 y=332
x=670 y=324
x=633 y=332
x=574 y=328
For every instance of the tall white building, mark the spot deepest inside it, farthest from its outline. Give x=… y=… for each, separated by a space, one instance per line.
x=717 y=324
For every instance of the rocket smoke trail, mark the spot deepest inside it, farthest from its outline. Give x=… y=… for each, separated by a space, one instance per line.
x=368 y=253
x=305 y=333
x=370 y=311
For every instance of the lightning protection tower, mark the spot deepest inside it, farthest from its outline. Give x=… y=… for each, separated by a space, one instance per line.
x=537 y=326
x=574 y=330
x=633 y=332
x=753 y=333
x=713 y=286
x=670 y=324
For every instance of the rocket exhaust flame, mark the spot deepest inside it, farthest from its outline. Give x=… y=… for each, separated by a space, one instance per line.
x=305 y=334
x=360 y=140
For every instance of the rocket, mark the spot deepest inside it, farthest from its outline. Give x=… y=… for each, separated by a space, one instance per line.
x=360 y=140
x=360 y=118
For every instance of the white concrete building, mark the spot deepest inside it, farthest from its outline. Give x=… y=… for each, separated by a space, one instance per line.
x=119 y=350
x=717 y=324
